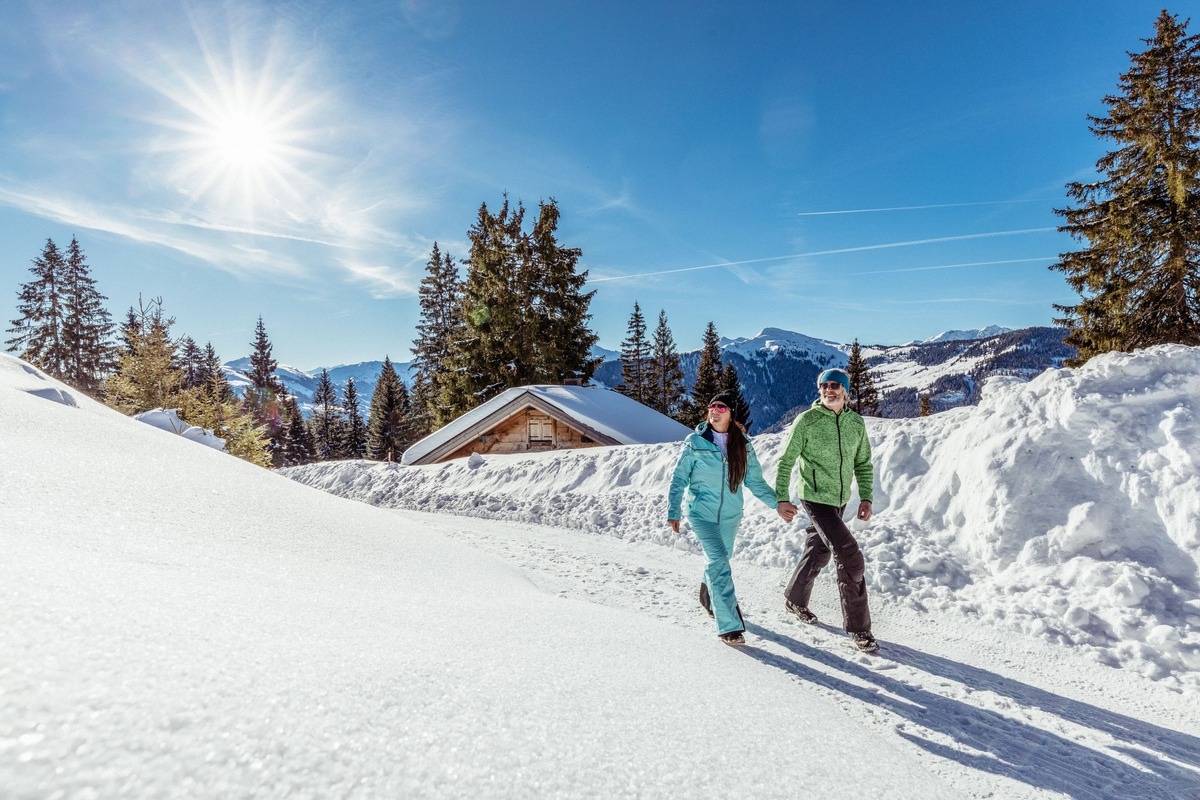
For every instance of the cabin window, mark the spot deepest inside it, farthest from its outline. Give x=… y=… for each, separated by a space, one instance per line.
x=585 y=439
x=541 y=428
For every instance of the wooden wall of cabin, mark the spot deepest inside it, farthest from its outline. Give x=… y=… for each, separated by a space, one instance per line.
x=527 y=431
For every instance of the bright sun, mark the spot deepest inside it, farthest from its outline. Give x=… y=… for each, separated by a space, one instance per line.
x=244 y=141
x=240 y=127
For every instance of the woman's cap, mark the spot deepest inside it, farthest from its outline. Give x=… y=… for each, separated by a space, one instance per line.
x=839 y=375
x=737 y=406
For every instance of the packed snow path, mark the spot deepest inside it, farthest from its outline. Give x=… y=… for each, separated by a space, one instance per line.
x=1003 y=716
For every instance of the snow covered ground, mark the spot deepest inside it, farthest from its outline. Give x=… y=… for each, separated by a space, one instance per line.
x=180 y=624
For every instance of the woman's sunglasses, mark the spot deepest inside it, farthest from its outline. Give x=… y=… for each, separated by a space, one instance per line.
x=718 y=407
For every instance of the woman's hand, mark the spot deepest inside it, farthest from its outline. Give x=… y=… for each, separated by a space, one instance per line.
x=674 y=523
x=864 y=510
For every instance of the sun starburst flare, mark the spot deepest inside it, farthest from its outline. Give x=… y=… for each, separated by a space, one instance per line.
x=237 y=137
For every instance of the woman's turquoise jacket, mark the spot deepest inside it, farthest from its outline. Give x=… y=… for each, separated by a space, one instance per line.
x=704 y=472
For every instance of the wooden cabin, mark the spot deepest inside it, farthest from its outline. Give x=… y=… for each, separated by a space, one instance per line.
x=531 y=419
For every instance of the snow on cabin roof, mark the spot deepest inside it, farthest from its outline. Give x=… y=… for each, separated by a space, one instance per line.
x=609 y=413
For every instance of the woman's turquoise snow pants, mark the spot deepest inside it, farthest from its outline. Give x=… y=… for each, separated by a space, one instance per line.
x=717 y=541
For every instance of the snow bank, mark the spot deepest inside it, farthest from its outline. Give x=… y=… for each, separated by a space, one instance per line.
x=1067 y=508
x=167 y=419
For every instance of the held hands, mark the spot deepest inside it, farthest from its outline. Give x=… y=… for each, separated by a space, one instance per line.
x=787 y=511
x=864 y=510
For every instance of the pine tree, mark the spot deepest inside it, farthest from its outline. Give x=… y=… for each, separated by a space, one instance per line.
x=1138 y=276
x=264 y=398
x=731 y=383
x=298 y=448
x=130 y=329
x=326 y=419
x=386 y=422
x=708 y=376
x=440 y=295
x=667 y=391
x=524 y=316
x=211 y=405
x=87 y=326
x=563 y=339
x=635 y=359
x=493 y=347
x=864 y=397
x=147 y=376
x=926 y=406
x=191 y=361
x=39 y=333
x=354 y=432
x=262 y=365
x=214 y=374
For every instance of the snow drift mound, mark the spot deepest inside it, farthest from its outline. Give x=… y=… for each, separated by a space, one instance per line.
x=1075 y=495
x=1067 y=507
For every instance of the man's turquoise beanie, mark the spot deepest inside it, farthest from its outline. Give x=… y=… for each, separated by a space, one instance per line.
x=838 y=375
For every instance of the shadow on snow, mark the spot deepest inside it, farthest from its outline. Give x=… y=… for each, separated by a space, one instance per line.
x=1002 y=745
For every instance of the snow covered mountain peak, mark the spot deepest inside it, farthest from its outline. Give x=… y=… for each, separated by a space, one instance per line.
x=968 y=335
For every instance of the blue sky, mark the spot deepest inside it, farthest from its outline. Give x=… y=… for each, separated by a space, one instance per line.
x=297 y=160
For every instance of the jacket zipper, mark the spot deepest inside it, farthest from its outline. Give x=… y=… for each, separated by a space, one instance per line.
x=837 y=419
x=721 y=504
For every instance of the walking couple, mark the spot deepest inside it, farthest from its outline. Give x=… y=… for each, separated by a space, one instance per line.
x=828 y=443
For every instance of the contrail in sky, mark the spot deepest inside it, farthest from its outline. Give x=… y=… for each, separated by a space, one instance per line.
x=951 y=266
x=862 y=248
x=914 y=208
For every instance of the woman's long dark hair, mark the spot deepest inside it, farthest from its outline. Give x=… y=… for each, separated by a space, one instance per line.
x=736 y=446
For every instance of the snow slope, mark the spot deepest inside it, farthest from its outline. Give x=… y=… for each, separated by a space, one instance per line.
x=178 y=623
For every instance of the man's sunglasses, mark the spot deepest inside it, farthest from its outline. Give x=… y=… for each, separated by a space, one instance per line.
x=831 y=385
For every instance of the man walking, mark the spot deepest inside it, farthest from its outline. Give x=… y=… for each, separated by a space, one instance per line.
x=828 y=443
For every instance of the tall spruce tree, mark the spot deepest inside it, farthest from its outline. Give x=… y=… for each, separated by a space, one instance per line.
x=297 y=442
x=262 y=365
x=708 y=375
x=39 y=333
x=440 y=324
x=864 y=397
x=214 y=373
x=87 y=326
x=564 y=340
x=667 y=390
x=731 y=383
x=493 y=348
x=1138 y=276
x=325 y=422
x=354 y=431
x=264 y=398
x=524 y=316
x=386 y=422
x=635 y=359
x=191 y=361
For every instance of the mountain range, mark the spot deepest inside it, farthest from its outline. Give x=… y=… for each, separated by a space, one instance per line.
x=778 y=369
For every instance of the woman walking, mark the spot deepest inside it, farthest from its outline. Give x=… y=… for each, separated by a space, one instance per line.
x=716 y=461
